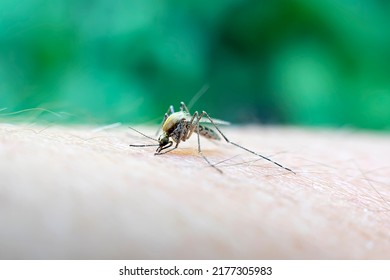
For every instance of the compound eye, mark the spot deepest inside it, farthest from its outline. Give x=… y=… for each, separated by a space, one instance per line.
x=163 y=140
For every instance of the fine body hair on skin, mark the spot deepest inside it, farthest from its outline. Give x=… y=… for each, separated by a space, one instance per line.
x=83 y=193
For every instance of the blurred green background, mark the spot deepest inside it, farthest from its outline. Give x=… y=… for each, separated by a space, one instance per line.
x=299 y=62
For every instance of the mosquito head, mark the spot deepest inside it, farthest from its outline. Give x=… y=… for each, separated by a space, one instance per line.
x=164 y=142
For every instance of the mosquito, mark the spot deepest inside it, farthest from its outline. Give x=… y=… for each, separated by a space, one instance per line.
x=179 y=126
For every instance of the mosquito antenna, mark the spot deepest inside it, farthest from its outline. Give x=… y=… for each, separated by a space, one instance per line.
x=198 y=95
x=144 y=145
x=144 y=136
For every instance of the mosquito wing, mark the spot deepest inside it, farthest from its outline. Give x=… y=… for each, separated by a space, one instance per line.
x=216 y=121
x=203 y=120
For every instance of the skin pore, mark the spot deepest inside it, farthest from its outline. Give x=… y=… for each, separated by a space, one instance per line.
x=83 y=193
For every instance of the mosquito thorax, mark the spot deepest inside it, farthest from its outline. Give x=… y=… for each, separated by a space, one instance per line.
x=172 y=120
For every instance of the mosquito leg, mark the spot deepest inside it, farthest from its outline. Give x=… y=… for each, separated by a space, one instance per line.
x=198 y=95
x=241 y=147
x=191 y=126
x=167 y=151
x=184 y=107
x=166 y=147
x=196 y=125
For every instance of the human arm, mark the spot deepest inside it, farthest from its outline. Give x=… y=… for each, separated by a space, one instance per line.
x=82 y=192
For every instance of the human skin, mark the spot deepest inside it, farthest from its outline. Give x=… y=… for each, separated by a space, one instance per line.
x=83 y=193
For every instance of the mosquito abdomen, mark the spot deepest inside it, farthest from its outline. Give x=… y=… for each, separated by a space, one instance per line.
x=208 y=133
